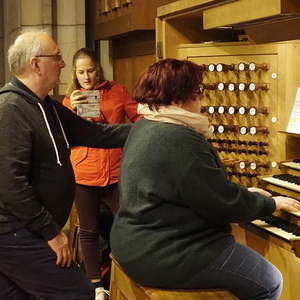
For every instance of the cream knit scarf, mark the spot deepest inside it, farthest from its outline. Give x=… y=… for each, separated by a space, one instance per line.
x=177 y=115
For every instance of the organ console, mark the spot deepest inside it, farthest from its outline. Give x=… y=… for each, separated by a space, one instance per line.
x=278 y=231
x=258 y=94
x=245 y=157
x=245 y=140
x=283 y=228
x=287 y=181
x=295 y=164
x=265 y=105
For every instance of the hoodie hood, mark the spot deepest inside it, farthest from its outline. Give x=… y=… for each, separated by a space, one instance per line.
x=30 y=97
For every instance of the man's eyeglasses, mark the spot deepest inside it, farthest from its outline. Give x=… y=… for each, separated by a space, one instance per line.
x=57 y=57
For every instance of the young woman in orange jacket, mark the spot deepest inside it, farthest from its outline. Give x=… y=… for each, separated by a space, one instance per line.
x=96 y=170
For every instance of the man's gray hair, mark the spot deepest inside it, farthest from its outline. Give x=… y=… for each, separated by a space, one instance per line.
x=26 y=45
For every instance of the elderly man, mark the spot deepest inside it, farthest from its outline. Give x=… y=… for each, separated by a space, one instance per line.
x=36 y=177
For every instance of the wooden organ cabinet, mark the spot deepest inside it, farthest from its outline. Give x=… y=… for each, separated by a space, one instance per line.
x=249 y=93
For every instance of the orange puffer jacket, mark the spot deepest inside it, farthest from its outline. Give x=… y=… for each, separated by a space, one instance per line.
x=100 y=167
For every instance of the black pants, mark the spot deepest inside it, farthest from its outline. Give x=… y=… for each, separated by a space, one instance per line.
x=89 y=202
x=28 y=271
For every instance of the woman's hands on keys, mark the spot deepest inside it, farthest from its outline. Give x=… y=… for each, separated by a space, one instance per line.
x=286 y=203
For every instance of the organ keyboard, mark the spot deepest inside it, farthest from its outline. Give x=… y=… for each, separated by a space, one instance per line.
x=278 y=231
x=295 y=164
x=283 y=228
x=287 y=181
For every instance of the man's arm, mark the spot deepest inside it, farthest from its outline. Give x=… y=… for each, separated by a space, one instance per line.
x=81 y=132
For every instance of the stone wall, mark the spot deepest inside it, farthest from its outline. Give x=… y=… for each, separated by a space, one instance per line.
x=63 y=19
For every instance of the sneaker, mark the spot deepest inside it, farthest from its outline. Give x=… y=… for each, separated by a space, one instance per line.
x=101 y=294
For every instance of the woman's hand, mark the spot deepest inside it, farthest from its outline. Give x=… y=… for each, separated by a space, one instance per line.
x=77 y=98
x=286 y=203
x=259 y=191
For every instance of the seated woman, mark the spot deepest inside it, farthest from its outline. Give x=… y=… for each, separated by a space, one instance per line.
x=173 y=227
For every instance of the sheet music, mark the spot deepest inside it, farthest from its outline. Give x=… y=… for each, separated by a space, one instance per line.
x=294 y=122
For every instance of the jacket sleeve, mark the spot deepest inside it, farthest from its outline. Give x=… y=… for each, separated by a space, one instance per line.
x=206 y=189
x=67 y=103
x=130 y=106
x=17 y=196
x=81 y=132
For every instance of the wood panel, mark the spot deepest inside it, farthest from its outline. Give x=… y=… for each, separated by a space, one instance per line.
x=134 y=44
x=284 y=260
x=274 y=31
x=245 y=13
x=181 y=22
x=115 y=17
x=240 y=11
x=184 y=6
x=127 y=70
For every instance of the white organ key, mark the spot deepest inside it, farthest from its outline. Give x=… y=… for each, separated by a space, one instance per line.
x=292 y=165
x=283 y=183
x=275 y=230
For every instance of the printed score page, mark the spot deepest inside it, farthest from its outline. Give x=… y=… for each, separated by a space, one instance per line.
x=294 y=122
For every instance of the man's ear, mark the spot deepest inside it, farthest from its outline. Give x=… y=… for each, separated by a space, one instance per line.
x=34 y=64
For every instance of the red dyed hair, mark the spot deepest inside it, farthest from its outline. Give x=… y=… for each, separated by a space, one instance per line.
x=168 y=81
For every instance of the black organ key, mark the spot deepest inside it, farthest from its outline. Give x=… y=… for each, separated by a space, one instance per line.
x=283 y=224
x=288 y=178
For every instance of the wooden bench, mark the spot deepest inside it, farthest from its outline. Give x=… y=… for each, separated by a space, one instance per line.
x=124 y=288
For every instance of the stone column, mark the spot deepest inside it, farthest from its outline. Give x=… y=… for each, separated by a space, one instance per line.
x=2 y=56
x=63 y=19
x=70 y=30
x=19 y=15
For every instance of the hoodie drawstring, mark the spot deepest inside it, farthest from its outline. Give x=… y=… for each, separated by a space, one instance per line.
x=51 y=135
x=61 y=128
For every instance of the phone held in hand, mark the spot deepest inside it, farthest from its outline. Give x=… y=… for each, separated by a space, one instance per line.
x=91 y=109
